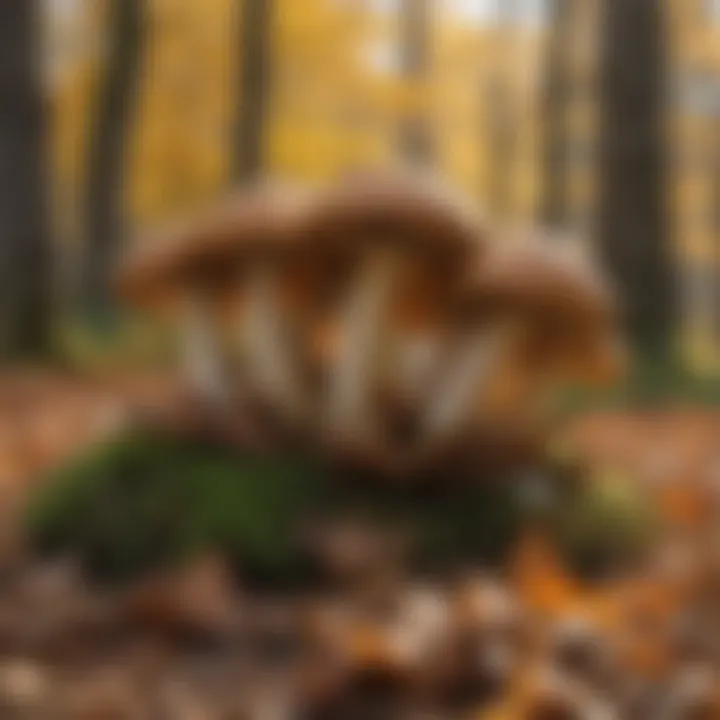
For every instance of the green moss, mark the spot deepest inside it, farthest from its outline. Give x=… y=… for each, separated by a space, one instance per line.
x=141 y=501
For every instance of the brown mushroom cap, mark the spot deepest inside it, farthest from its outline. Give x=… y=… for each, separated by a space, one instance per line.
x=410 y=209
x=565 y=302
x=210 y=250
x=537 y=280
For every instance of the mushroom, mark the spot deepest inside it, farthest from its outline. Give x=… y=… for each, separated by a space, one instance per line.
x=530 y=312
x=275 y=285
x=244 y=251
x=397 y=239
x=175 y=273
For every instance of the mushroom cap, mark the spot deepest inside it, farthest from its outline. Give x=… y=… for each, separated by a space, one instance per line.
x=536 y=279
x=565 y=301
x=410 y=209
x=210 y=250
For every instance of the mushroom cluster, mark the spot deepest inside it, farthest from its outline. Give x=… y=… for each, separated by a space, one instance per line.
x=381 y=319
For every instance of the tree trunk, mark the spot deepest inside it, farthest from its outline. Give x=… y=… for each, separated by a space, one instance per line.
x=633 y=227
x=415 y=136
x=104 y=212
x=25 y=248
x=255 y=53
x=499 y=117
x=553 y=210
x=714 y=267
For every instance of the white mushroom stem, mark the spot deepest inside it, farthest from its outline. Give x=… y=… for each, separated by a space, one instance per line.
x=200 y=353
x=417 y=357
x=363 y=322
x=268 y=349
x=471 y=372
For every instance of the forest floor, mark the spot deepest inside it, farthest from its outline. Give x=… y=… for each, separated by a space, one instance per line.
x=177 y=648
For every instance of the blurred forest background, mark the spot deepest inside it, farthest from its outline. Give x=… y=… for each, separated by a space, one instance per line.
x=601 y=118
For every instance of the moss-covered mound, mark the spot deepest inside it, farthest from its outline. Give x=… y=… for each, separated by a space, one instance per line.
x=142 y=501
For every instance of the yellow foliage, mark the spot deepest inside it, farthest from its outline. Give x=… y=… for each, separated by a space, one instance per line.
x=338 y=99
